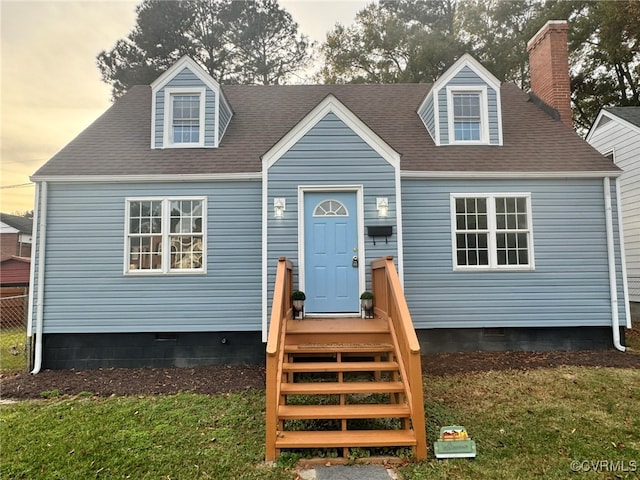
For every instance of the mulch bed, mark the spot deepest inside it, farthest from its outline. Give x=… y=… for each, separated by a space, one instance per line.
x=212 y=380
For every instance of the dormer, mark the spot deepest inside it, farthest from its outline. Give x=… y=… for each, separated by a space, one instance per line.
x=188 y=108
x=463 y=106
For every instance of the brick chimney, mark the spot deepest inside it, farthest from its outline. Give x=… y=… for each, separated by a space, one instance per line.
x=549 y=67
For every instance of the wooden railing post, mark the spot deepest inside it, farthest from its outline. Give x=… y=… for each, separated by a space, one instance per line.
x=280 y=312
x=390 y=304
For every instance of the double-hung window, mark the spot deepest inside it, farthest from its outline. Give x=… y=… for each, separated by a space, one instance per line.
x=467 y=115
x=184 y=117
x=165 y=235
x=492 y=231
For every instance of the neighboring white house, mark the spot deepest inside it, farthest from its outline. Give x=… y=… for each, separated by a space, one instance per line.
x=616 y=134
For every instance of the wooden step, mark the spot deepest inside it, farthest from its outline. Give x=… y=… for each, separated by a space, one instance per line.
x=349 y=438
x=339 y=348
x=340 y=367
x=327 y=412
x=329 y=388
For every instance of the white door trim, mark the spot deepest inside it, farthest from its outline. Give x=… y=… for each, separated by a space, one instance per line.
x=359 y=191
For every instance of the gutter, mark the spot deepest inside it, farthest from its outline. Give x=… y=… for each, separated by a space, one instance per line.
x=613 y=288
x=42 y=230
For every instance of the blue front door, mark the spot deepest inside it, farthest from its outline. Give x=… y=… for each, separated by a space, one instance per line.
x=331 y=242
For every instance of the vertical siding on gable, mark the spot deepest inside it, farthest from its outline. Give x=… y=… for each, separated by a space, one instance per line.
x=87 y=292
x=329 y=154
x=426 y=114
x=467 y=76
x=186 y=78
x=626 y=143
x=570 y=284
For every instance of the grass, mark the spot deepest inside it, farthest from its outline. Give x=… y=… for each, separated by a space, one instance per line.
x=162 y=437
x=526 y=424
x=13 y=356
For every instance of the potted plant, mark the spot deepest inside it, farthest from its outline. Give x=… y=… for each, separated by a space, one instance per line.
x=366 y=303
x=297 y=298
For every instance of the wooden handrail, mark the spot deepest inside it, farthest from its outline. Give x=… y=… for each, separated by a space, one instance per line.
x=280 y=312
x=391 y=305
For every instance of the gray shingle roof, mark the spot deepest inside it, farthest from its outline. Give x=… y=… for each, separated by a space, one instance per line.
x=22 y=224
x=630 y=114
x=118 y=143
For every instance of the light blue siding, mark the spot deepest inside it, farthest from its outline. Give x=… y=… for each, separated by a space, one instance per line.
x=465 y=77
x=570 y=284
x=86 y=290
x=329 y=154
x=186 y=78
x=225 y=118
x=443 y=119
x=427 y=116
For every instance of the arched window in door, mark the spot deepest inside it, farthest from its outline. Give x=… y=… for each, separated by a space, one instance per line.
x=330 y=208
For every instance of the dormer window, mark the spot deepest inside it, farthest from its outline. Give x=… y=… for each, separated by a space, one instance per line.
x=467 y=115
x=463 y=106
x=184 y=112
x=188 y=108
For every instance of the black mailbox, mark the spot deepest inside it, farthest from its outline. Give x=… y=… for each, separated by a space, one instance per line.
x=380 y=231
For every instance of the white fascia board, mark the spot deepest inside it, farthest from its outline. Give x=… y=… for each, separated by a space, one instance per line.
x=195 y=177
x=506 y=175
x=467 y=60
x=185 y=62
x=330 y=105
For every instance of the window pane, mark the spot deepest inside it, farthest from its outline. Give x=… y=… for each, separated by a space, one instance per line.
x=186 y=252
x=186 y=118
x=466 y=116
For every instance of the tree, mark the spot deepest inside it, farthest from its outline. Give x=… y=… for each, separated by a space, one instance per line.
x=393 y=41
x=412 y=41
x=605 y=53
x=236 y=42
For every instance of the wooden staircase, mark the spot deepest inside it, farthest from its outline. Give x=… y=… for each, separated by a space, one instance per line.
x=340 y=383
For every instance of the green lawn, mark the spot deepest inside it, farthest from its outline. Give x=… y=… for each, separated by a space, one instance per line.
x=13 y=355
x=526 y=424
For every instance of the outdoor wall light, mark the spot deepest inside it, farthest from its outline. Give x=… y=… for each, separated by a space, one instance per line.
x=279 y=206
x=382 y=204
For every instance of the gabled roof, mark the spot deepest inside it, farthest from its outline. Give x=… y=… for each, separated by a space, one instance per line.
x=22 y=224
x=630 y=114
x=117 y=143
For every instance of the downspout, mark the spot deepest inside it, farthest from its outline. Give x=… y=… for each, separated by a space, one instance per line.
x=42 y=230
x=32 y=273
x=623 y=259
x=613 y=289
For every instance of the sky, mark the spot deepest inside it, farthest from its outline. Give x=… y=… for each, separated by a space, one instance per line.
x=50 y=86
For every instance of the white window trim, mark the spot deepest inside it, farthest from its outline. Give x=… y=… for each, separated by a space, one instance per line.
x=484 y=113
x=166 y=250
x=492 y=228
x=168 y=115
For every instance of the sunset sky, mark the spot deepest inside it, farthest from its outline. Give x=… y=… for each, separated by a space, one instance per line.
x=50 y=84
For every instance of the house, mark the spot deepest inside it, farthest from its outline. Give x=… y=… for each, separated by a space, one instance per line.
x=616 y=134
x=164 y=221
x=15 y=250
x=15 y=236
